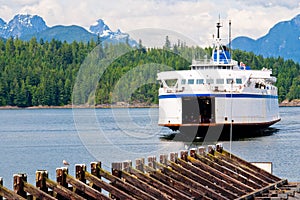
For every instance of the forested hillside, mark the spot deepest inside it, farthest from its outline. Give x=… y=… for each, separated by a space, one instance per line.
x=36 y=73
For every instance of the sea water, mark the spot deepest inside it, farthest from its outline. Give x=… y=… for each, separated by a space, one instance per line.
x=39 y=139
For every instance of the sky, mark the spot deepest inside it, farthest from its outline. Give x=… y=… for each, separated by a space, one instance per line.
x=194 y=19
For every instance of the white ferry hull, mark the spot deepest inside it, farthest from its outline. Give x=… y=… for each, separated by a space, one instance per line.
x=248 y=113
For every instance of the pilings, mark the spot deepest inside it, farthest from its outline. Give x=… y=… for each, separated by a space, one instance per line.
x=202 y=173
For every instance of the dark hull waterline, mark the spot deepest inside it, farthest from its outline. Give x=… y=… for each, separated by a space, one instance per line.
x=216 y=132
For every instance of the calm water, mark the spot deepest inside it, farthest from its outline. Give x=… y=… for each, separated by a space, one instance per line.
x=32 y=139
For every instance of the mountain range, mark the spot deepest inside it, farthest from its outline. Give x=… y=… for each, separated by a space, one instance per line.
x=283 y=40
x=27 y=26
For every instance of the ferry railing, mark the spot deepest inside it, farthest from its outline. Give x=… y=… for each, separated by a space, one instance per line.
x=213 y=62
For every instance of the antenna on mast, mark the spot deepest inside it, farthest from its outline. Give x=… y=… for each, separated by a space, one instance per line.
x=229 y=35
x=218 y=28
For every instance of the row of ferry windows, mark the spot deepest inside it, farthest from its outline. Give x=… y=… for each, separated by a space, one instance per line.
x=210 y=81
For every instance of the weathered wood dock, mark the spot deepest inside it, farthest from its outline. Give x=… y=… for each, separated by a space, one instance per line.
x=201 y=173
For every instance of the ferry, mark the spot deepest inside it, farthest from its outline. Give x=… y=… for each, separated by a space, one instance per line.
x=218 y=95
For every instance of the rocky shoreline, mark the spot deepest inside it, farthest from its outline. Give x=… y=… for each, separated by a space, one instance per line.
x=293 y=103
x=118 y=105
x=285 y=103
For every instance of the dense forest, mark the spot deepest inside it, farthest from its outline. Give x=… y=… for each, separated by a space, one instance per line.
x=55 y=73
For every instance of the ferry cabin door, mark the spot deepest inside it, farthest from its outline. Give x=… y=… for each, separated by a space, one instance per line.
x=197 y=110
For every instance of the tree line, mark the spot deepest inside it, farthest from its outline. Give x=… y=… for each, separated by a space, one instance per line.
x=34 y=73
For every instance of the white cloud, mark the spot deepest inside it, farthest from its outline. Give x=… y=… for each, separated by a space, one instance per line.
x=290 y=4
x=193 y=18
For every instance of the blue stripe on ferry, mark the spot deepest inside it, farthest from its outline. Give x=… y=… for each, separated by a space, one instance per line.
x=259 y=96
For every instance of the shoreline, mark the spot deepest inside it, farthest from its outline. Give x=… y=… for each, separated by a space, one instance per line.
x=285 y=103
x=104 y=106
x=293 y=103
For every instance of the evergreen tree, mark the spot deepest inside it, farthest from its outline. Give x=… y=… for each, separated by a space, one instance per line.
x=167 y=45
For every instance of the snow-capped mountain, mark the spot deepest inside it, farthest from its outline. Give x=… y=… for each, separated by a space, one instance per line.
x=27 y=26
x=101 y=28
x=105 y=33
x=22 y=25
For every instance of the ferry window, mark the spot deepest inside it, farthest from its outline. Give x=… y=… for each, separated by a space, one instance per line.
x=190 y=81
x=209 y=81
x=171 y=82
x=238 y=81
x=220 y=81
x=229 y=80
x=199 y=81
x=183 y=81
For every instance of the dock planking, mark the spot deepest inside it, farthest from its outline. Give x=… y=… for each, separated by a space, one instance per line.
x=211 y=173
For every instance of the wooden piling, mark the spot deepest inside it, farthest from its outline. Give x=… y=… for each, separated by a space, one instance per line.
x=61 y=176
x=151 y=161
x=61 y=179
x=95 y=171
x=139 y=164
x=184 y=154
x=8 y=194
x=211 y=149
x=163 y=159
x=193 y=152
x=219 y=147
x=40 y=180
x=201 y=150
x=1 y=184
x=126 y=165
x=21 y=187
x=173 y=156
x=19 y=184
x=80 y=170
x=115 y=169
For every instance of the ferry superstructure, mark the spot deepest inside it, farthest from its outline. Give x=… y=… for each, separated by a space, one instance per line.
x=218 y=92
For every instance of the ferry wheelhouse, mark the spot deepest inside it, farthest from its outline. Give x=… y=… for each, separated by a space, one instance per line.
x=218 y=92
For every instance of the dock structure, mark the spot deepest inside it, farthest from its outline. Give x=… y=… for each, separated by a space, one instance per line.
x=203 y=173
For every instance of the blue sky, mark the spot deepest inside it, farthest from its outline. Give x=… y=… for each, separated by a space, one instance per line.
x=193 y=18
